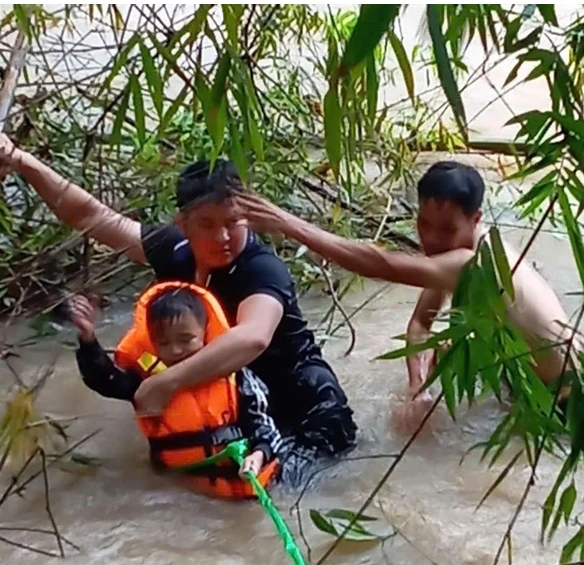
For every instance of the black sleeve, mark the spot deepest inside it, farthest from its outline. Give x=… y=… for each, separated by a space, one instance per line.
x=255 y=420
x=168 y=252
x=101 y=374
x=267 y=274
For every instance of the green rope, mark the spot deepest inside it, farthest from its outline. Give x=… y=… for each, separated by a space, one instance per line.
x=237 y=451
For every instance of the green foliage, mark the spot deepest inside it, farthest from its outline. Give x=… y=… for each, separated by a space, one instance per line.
x=336 y=521
x=125 y=133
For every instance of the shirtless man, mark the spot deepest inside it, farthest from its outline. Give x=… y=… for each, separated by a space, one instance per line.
x=449 y=224
x=211 y=244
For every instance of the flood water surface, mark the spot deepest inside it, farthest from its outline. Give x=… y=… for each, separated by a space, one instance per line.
x=124 y=513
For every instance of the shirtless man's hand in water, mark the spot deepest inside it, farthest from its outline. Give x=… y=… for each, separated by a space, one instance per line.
x=449 y=224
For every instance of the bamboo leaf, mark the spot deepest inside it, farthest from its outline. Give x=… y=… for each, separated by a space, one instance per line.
x=568 y=500
x=548 y=13
x=447 y=381
x=119 y=63
x=529 y=40
x=138 y=108
x=403 y=62
x=482 y=29
x=573 y=544
x=500 y=478
x=120 y=117
x=218 y=91
x=502 y=262
x=444 y=371
x=217 y=126
x=231 y=16
x=340 y=522
x=550 y=501
x=445 y=73
x=431 y=343
x=237 y=152
x=467 y=372
x=152 y=77
x=573 y=233
x=21 y=13
x=116 y=17
x=215 y=117
x=491 y=290
x=461 y=292
x=513 y=74
x=372 y=87
x=489 y=368
x=203 y=92
x=332 y=128
x=348 y=515
x=257 y=142
x=544 y=185
x=575 y=418
x=373 y=21
x=322 y=523
x=85 y=460
x=169 y=114
x=194 y=27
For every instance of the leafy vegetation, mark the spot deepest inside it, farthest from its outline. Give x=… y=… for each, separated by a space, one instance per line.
x=211 y=80
x=155 y=100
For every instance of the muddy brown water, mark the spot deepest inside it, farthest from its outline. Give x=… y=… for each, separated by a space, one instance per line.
x=123 y=513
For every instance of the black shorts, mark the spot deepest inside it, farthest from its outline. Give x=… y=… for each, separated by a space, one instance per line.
x=311 y=407
x=326 y=421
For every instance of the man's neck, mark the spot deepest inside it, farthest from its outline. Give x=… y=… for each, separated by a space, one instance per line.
x=479 y=232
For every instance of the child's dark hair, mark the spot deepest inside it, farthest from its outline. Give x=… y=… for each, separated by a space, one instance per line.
x=171 y=305
x=449 y=180
x=197 y=183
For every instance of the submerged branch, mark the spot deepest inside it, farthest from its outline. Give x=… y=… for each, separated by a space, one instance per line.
x=382 y=481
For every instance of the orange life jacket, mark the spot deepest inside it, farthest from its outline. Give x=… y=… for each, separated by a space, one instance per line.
x=198 y=422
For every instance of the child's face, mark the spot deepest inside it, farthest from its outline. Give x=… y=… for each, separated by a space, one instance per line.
x=176 y=340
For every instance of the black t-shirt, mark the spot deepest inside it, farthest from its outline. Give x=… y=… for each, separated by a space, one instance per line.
x=255 y=271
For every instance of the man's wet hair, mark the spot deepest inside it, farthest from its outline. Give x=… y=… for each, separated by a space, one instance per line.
x=171 y=305
x=199 y=183
x=455 y=182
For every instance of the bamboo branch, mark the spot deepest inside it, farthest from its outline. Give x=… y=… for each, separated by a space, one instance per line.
x=11 y=77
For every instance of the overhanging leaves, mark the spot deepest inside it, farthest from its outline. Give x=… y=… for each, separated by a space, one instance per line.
x=444 y=66
x=374 y=20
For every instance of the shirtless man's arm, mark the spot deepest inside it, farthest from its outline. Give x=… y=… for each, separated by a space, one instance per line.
x=73 y=205
x=420 y=364
x=440 y=272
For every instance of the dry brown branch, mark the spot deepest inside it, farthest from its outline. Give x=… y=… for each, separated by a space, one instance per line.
x=324 y=270
x=48 y=504
x=38 y=531
x=28 y=547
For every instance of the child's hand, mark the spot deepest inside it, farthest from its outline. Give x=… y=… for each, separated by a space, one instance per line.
x=83 y=316
x=252 y=464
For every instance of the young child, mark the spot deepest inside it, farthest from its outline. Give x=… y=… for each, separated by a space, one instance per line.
x=173 y=321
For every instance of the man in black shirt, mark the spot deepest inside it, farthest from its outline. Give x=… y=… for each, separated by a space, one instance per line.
x=212 y=246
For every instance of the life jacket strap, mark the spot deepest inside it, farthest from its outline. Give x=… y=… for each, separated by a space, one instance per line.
x=205 y=439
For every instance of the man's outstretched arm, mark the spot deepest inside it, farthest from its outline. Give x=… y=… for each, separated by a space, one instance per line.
x=440 y=272
x=73 y=205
